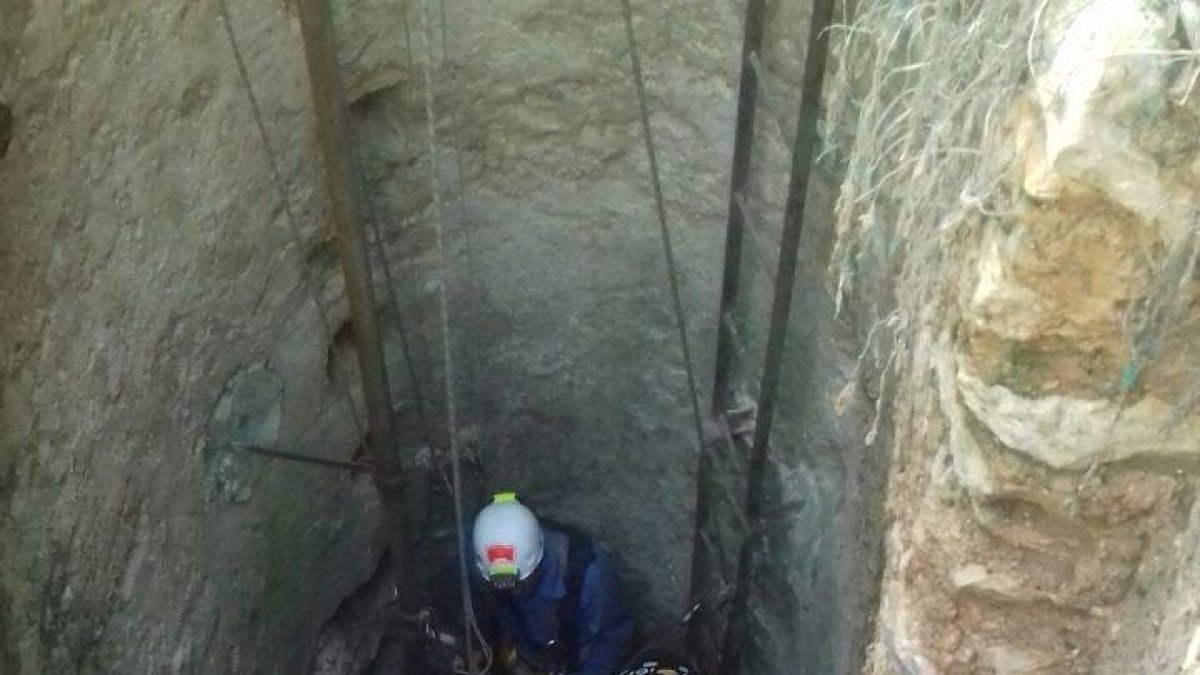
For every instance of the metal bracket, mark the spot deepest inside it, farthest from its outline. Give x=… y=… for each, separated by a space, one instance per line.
x=364 y=467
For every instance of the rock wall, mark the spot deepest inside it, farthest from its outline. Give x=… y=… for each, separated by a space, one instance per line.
x=998 y=302
x=161 y=315
x=157 y=317
x=1043 y=484
x=817 y=551
x=569 y=380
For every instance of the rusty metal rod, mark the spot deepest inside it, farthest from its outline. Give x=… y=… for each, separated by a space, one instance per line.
x=727 y=339
x=735 y=224
x=803 y=159
x=362 y=467
x=337 y=168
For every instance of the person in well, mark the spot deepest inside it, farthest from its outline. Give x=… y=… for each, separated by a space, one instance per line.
x=549 y=600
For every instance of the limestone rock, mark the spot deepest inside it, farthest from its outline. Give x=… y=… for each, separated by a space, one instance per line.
x=1102 y=83
x=372 y=37
x=960 y=451
x=901 y=652
x=1071 y=433
x=1000 y=302
x=1006 y=556
x=1009 y=660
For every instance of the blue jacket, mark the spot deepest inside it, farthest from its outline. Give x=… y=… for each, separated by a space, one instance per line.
x=604 y=629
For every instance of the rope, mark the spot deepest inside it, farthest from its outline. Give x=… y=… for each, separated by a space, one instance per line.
x=405 y=345
x=294 y=229
x=401 y=324
x=471 y=625
x=661 y=209
x=471 y=629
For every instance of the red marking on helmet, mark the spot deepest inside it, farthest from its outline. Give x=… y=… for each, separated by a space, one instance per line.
x=501 y=553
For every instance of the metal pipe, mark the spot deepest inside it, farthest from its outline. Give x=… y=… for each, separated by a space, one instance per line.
x=727 y=339
x=803 y=158
x=333 y=150
x=743 y=146
x=307 y=459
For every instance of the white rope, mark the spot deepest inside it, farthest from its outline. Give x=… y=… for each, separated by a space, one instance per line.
x=471 y=629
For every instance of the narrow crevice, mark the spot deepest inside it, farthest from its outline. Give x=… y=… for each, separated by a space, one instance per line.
x=6 y=128
x=349 y=641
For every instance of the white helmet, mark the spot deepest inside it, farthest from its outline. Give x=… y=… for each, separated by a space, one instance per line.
x=508 y=541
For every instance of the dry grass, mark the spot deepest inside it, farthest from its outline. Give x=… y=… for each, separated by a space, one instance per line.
x=922 y=90
x=921 y=102
x=921 y=97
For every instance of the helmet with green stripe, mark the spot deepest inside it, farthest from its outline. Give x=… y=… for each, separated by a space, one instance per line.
x=507 y=541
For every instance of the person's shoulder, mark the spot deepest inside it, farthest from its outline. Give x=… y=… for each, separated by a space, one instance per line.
x=574 y=537
x=555 y=544
x=559 y=527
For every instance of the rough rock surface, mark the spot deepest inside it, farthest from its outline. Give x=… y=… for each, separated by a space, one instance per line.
x=814 y=576
x=569 y=380
x=159 y=322
x=1043 y=493
x=156 y=321
x=159 y=318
